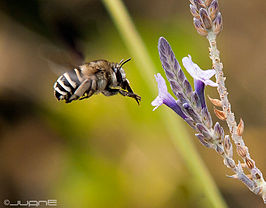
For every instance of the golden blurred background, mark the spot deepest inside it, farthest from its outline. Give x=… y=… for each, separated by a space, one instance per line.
x=107 y=151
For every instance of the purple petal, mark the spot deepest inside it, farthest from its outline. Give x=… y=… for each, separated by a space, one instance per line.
x=166 y=98
x=171 y=103
x=199 y=88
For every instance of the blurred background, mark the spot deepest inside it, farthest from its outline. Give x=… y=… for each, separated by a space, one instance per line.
x=107 y=151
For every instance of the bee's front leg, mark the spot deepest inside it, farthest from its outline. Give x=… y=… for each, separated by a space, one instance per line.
x=130 y=94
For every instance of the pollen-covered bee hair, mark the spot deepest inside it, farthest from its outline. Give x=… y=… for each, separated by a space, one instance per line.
x=91 y=78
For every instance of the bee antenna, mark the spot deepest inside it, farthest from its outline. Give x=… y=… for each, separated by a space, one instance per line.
x=122 y=62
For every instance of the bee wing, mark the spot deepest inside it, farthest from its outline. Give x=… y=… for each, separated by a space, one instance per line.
x=59 y=60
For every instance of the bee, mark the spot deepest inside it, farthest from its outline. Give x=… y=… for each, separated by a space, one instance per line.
x=100 y=76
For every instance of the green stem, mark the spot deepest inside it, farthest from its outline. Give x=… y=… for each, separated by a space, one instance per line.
x=175 y=127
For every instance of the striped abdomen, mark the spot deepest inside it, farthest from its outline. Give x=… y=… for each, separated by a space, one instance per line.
x=67 y=84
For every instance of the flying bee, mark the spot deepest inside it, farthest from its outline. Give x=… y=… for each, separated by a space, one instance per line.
x=91 y=78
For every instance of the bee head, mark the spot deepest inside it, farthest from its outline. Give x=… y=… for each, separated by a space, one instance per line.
x=120 y=73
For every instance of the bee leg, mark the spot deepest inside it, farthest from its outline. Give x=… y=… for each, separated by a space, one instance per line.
x=110 y=91
x=84 y=97
x=91 y=90
x=127 y=86
x=130 y=94
x=129 y=91
x=85 y=85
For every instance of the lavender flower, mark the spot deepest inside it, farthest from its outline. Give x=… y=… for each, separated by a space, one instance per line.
x=197 y=73
x=201 y=77
x=190 y=105
x=178 y=81
x=166 y=98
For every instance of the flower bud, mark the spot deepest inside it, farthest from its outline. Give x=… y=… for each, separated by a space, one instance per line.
x=228 y=146
x=190 y=111
x=191 y=123
x=199 y=4
x=229 y=162
x=203 y=140
x=180 y=75
x=256 y=174
x=202 y=129
x=175 y=86
x=208 y=2
x=250 y=163
x=218 y=131
x=207 y=120
x=199 y=27
x=180 y=96
x=227 y=143
x=213 y=9
x=217 y=24
x=205 y=18
x=219 y=150
x=187 y=87
x=241 y=151
x=196 y=100
x=194 y=11
x=169 y=74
